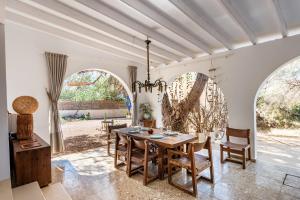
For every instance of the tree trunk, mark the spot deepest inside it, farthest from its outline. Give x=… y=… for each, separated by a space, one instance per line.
x=176 y=115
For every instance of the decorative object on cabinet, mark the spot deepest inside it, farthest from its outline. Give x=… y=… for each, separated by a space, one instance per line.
x=25 y=106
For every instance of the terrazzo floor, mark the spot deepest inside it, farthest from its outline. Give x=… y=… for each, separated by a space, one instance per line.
x=90 y=175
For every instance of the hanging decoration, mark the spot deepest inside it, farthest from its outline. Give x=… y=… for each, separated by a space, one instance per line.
x=147 y=84
x=215 y=103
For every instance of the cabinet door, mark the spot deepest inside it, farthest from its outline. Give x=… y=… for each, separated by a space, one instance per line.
x=26 y=167
x=44 y=166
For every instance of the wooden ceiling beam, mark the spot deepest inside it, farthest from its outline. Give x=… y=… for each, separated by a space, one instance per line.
x=40 y=15
x=153 y=13
x=239 y=19
x=121 y=18
x=69 y=12
x=282 y=23
x=18 y=18
x=187 y=7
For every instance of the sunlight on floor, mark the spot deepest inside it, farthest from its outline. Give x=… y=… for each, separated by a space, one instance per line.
x=91 y=175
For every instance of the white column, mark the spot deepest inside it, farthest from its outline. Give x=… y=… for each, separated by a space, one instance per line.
x=4 y=147
x=2 y=10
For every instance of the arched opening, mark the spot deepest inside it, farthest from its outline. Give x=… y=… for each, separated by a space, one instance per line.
x=88 y=98
x=209 y=113
x=277 y=116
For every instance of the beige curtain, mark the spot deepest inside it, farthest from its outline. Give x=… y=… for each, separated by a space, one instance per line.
x=132 y=79
x=57 y=65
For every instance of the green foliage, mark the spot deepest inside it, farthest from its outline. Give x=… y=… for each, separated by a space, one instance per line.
x=278 y=102
x=295 y=113
x=102 y=86
x=146 y=108
x=85 y=116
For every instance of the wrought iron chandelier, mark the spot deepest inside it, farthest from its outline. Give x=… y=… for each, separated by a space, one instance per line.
x=161 y=84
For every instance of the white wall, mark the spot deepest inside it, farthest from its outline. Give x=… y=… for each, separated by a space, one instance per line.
x=4 y=149
x=27 y=71
x=2 y=11
x=240 y=76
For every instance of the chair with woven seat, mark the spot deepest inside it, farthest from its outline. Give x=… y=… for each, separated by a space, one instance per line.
x=238 y=150
x=140 y=154
x=193 y=162
x=111 y=138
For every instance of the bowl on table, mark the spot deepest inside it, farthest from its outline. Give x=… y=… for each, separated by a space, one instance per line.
x=134 y=130
x=145 y=129
x=171 y=133
x=156 y=136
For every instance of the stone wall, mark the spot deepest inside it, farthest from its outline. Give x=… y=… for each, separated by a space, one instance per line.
x=96 y=114
x=91 y=105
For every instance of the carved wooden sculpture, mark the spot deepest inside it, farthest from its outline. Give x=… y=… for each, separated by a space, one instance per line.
x=176 y=115
x=25 y=106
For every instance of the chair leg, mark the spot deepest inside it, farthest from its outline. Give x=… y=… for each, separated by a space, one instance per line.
x=108 y=144
x=221 y=156
x=128 y=164
x=194 y=181
x=211 y=171
x=169 y=173
x=116 y=159
x=249 y=154
x=228 y=154
x=244 y=159
x=145 y=180
x=116 y=151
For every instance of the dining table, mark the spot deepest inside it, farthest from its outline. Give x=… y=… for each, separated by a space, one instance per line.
x=163 y=143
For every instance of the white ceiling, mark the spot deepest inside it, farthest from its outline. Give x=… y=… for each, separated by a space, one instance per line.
x=179 y=29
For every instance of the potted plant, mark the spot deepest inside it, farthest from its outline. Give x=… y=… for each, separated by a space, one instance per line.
x=146 y=109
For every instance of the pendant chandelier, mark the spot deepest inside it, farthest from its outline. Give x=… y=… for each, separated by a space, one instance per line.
x=148 y=85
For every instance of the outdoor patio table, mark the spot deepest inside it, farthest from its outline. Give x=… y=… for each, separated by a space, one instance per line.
x=164 y=143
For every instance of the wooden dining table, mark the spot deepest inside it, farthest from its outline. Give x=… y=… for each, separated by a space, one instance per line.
x=167 y=142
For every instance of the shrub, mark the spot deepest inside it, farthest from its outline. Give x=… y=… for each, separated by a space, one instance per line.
x=295 y=113
x=85 y=116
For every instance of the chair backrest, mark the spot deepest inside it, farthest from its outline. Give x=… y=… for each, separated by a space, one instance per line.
x=240 y=133
x=122 y=138
x=140 y=144
x=111 y=127
x=198 y=146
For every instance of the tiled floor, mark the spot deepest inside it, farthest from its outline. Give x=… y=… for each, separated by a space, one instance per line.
x=90 y=175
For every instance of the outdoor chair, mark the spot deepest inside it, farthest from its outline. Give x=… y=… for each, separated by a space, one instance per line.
x=193 y=162
x=238 y=150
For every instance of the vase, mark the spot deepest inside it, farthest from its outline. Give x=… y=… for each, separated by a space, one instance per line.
x=201 y=137
x=147 y=116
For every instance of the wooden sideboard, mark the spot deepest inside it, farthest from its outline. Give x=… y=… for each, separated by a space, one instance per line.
x=29 y=164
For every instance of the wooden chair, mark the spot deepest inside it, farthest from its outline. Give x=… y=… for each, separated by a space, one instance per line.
x=239 y=150
x=139 y=154
x=121 y=150
x=193 y=162
x=111 y=139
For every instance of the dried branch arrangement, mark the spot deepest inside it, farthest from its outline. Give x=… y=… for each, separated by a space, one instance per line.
x=206 y=113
